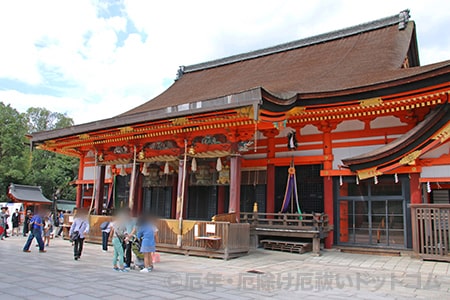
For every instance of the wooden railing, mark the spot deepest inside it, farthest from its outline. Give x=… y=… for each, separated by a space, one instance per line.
x=430 y=230
x=279 y=225
x=306 y=222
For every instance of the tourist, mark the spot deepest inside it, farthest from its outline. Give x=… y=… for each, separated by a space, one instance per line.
x=3 y=222
x=131 y=230
x=148 y=232
x=119 y=237
x=15 y=220
x=61 y=223
x=106 y=229
x=48 y=229
x=26 y=223
x=36 y=225
x=78 y=231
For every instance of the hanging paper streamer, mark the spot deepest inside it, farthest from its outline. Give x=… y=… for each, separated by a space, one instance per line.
x=219 y=165
x=396 y=178
x=357 y=180
x=194 y=165
x=166 y=168
x=428 y=187
x=340 y=181
x=375 y=180
x=291 y=192
x=123 y=172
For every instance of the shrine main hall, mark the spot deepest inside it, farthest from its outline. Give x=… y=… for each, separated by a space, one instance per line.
x=368 y=130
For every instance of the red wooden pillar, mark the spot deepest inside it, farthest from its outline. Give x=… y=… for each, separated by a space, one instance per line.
x=415 y=188
x=173 y=210
x=235 y=184
x=80 y=185
x=328 y=182
x=221 y=199
x=139 y=195
x=100 y=190
x=270 y=186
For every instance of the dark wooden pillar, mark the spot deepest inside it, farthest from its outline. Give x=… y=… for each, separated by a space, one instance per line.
x=80 y=185
x=139 y=195
x=173 y=210
x=235 y=184
x=270 y=189
x=221 y=199
x=100 y=190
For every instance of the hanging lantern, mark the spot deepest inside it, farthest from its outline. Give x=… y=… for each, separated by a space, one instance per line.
x=166 y=168
x=340 y=181
x=357 y=180
x=219 y=165
x=396 y=178
x=194 y=165
x=375 y=179
x=428 y=187
x=123 y=172
x=145 y=169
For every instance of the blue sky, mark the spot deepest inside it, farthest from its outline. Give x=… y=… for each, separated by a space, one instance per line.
x=96 y=59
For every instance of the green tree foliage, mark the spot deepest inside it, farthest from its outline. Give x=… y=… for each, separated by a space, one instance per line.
x=14 y=161
x=53 y=172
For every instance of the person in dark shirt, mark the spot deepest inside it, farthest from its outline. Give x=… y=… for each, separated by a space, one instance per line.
x=36 y=225
x=26 y=223
x=15 y=220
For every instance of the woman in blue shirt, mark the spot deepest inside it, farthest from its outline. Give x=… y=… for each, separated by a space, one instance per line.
x=148 y=232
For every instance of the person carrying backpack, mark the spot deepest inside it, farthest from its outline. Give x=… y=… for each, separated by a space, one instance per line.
x=78 y=231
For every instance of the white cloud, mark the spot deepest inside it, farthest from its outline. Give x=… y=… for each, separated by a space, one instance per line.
x=67 y=47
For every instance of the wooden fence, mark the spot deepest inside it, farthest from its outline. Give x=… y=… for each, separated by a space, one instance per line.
x=430 y=230
x=204 y=238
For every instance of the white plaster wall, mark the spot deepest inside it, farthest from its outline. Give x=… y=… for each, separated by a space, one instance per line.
x=444 y=149
x=299 y=153
x=349 y=126
x=309 y=129
x=435 y=171
x=89 y=173
x=388 y=121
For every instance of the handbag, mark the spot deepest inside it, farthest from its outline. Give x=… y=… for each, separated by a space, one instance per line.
x=75 y=235
x=156 y=257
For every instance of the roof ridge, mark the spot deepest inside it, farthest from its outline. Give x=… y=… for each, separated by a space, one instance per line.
x=401 y=19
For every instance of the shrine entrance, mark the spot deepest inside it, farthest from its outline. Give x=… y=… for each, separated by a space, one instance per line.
x=373 y=212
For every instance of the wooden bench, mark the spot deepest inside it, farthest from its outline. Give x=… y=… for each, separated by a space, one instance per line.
x=286 y=246
x=313 y=234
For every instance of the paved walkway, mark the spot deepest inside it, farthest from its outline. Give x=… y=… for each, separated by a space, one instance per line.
x=274 y=275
